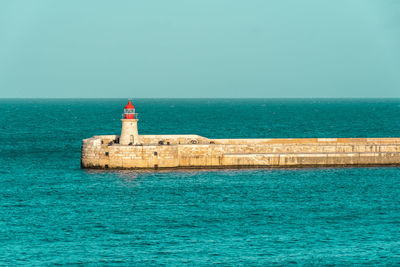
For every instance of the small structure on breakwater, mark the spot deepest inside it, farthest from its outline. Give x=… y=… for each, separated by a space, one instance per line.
x=133 y=151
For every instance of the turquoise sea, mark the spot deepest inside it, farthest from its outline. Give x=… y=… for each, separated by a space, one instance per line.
x=54 y=213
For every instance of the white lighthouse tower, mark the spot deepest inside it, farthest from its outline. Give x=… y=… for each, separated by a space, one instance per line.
x=129 y=132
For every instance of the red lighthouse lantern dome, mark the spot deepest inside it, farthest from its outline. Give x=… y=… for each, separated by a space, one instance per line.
x=129 y=111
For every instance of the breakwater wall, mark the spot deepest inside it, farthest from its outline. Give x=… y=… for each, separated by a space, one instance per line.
x=193 y=151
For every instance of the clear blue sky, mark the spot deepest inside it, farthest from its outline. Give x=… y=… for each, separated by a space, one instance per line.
x=200 y=48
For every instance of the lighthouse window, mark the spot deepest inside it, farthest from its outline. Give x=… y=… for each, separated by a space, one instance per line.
x=129 y=111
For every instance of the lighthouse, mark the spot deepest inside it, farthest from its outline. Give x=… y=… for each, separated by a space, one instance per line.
x=129 y=132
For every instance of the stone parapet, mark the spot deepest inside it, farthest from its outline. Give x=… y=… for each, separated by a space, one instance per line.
x=193 y=151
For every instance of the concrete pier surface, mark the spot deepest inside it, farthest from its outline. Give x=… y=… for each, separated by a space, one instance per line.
x=193 y=151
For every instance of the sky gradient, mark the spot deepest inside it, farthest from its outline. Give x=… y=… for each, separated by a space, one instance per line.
x=200 y=48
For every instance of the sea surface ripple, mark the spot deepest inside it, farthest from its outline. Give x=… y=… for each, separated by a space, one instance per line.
x=52 y=212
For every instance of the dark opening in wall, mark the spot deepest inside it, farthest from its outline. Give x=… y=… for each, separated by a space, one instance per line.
x=161 y=143
x=155 y=153
x=107 y=153
x=168 y=143
x=156 y=166
x=106 y=166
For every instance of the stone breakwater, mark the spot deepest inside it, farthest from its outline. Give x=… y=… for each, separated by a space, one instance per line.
x=193 y=151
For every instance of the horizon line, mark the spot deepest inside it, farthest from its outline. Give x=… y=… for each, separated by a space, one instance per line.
x=200 y=97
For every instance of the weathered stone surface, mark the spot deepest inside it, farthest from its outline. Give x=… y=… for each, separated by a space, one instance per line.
x=193 y=151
